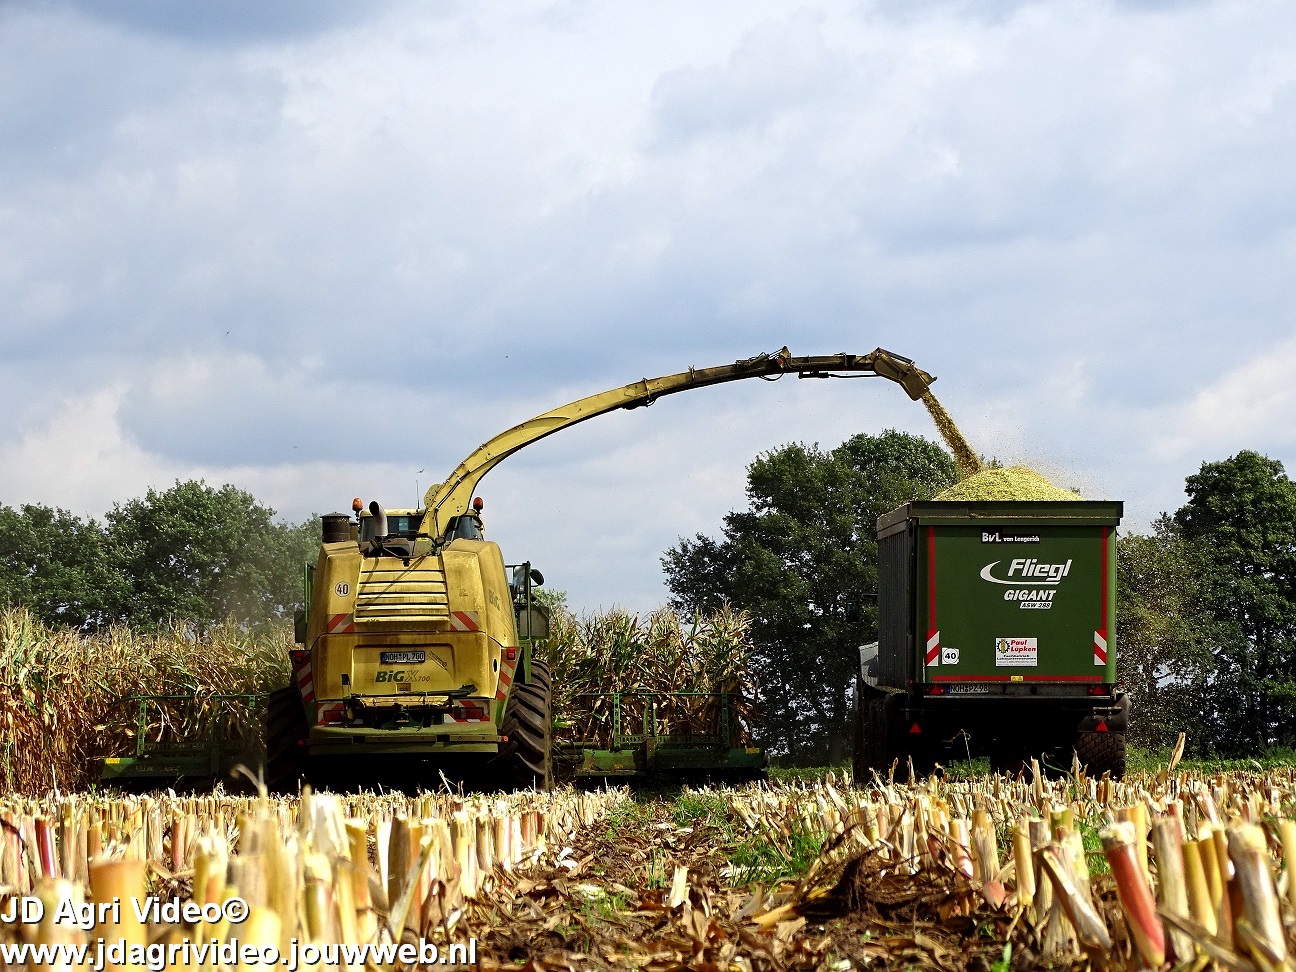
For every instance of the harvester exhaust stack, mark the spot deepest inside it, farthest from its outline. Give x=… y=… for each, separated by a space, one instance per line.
x=379 y=519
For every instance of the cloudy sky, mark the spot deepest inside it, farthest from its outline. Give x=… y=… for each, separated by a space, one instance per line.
x=324 y=248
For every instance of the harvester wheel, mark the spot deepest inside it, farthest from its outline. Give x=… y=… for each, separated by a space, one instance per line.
x=528 y=754
x=540 y=674
x=1102 y=752
x=286 y=731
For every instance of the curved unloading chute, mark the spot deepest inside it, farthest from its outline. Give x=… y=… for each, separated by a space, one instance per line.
x=451 y=498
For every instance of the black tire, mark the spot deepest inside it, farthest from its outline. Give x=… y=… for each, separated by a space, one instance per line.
x=540 y=674
x=861 y=757
x=526 y=760
x=1102 y=752
x=894 y=743
x=877 y=735
x=286 y=732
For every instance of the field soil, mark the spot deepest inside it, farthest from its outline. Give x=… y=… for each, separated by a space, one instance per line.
x=677 y=880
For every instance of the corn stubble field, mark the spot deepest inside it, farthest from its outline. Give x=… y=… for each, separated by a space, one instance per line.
x=1191 y=868
x=985 y=873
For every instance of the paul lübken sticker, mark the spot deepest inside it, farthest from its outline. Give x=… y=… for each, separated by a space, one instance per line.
x=1016 y=653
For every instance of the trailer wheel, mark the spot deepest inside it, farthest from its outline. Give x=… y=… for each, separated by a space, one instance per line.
x=862 y=760
x=894 y=743
x=1102 y=752
x=286 y=732
x=527 y=757
x=880 y=739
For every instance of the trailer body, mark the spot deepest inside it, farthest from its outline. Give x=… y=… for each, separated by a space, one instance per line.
x=996 y=624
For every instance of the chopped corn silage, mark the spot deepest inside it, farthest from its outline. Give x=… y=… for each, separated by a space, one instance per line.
x=1006 y=483
x=965 y=457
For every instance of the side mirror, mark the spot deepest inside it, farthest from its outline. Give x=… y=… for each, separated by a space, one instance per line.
x=299 y=626
x=537 y=578
x=533 y=624
x=869 y=667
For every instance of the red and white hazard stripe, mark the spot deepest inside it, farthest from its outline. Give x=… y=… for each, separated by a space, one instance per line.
x=468 y=711
x=464 y=621
x=1100 y=649
x=933 y=648
x=301 y=662
x=1100 y=636
x=341 y=624
x=508 y=668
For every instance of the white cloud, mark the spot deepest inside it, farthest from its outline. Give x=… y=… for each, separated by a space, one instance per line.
x=79 y=459
x=1252 y=400
x=313 y=253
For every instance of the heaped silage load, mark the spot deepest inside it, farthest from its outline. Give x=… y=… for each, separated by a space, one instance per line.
x=1011 y=483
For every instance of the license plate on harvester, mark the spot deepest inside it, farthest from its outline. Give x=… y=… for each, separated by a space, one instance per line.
x=403 y=657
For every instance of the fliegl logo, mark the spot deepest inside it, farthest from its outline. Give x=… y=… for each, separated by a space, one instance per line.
x=1028 y=580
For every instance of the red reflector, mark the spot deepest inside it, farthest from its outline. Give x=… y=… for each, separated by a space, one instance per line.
x=510 y=653
x=935 y=689
x=914 y=730
x=1097 y=689
x=1102 y=726
x=299 y=657
x=503 y=739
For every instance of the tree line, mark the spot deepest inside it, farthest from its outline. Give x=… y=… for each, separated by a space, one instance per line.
x=1206 y=599
x=1206 y=612
x=191 y=553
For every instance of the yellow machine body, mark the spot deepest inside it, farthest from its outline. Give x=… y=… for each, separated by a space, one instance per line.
x=430 y=634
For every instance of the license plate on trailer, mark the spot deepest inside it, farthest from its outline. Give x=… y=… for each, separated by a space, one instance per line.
x=403 y=657
x=968 y=690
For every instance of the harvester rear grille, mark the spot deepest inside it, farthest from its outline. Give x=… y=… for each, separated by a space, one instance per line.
x=390 y=591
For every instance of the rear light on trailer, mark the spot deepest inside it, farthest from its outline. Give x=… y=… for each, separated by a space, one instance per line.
x=298 y=657
x=1098 y=690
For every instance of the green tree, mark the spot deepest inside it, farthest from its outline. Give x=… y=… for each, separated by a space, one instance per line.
x=1242 y=513
x=202 y=554
x=802 y=559
x=1165 y=631
x=56 y=565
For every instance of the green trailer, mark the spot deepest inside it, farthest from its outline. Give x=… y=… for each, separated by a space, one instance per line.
x=661 y=736
x=186 y=740
x=996 y=626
